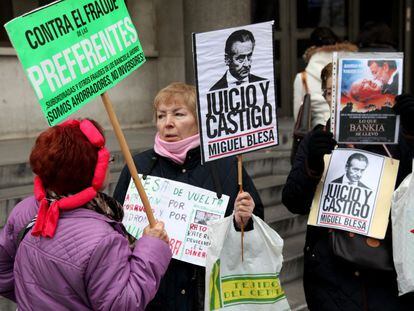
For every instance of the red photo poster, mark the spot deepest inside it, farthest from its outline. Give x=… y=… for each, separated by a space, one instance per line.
x=366 y=85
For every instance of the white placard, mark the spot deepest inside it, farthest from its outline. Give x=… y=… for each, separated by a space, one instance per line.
x=183 y=208
x=355 y=192
x=236 y=90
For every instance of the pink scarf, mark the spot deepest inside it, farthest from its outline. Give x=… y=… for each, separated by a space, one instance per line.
x=176 y=151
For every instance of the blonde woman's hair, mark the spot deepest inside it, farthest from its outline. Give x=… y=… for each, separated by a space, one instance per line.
x=185 y=91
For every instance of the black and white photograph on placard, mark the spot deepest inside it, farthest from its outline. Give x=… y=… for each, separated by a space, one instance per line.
x=350 y=190
x=236 y=90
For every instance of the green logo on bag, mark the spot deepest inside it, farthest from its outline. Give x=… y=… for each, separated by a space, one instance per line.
x=215 y=288
x=251 y=288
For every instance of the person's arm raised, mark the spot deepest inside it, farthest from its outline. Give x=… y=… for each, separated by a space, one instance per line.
x=306 y=171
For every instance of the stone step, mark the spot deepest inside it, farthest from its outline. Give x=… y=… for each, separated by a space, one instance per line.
x=285 y=128
x=20 y=174
x=284 y=222
x=262 y=163
x=14 y=153
x=257 y=164
x=15 y=169
x=6 y=206
x=15 y=174
x=9 y=197
x=295 y=295
x=270 y=188
x=292 y=258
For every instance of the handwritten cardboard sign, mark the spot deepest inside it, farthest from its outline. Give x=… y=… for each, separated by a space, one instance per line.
x=183 y=208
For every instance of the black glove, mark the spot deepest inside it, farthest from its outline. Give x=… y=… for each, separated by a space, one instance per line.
x=404 y=106
x=320 y=143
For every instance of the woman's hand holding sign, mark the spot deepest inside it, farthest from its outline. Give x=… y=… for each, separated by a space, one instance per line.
x=243 y=208
x=157 y=231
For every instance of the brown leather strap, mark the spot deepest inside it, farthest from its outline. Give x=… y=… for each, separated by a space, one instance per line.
x=304 y=81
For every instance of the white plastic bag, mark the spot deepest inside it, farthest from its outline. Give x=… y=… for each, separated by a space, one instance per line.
x=402 y=217
x=249 y=285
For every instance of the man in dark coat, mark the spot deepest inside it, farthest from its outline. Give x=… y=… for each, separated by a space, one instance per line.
x=331 y=283
x=238 y=57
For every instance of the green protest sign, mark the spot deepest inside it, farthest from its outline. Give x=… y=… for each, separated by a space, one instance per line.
x=74 y=50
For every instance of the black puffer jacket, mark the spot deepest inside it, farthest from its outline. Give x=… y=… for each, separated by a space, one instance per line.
x=332 y=284
x=182 y=287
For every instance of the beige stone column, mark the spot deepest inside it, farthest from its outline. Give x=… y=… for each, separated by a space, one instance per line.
x=207 y=15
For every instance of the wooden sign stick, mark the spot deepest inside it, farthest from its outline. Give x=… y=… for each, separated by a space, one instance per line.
x=128 y=158
x=240 y=182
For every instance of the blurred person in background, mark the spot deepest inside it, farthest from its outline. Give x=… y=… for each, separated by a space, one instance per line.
x=375 y=37
x=324 y=42
x=332 y=283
